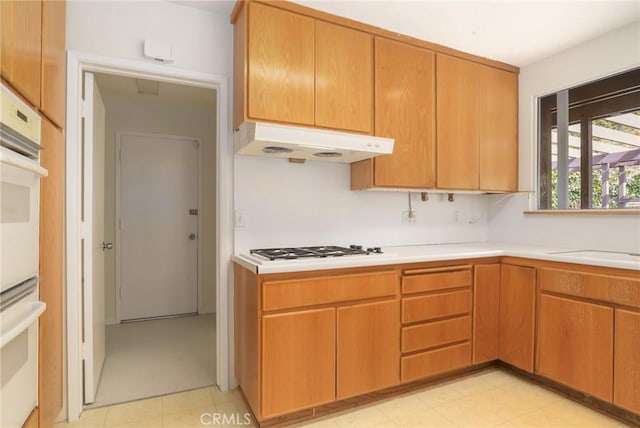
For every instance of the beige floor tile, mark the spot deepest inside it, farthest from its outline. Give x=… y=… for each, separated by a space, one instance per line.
x=401 y=406
x=232 y=407
x=183 y=401
x=577 y=415
x=220 y=397
x=203 y=416
x=442 y=394
x=327 y=422
x=146 y=423
x=135 y=411
x=425 y=418
x=94 y=418
x=471 y=412
x=369 y=417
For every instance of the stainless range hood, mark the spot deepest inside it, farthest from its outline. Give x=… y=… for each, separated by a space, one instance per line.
x=295 y=142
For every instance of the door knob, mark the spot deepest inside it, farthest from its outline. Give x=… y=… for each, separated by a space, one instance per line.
x=192 y=236
x=107 y=246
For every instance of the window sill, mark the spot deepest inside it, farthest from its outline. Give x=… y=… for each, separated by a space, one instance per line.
x=623 y=211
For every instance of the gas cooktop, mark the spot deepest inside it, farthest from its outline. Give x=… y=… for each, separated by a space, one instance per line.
x=307 y=252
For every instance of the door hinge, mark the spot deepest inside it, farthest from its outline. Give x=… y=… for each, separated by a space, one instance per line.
x=193 y=211
x=120 y=292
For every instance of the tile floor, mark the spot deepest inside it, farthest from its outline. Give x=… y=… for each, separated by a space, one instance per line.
x=491 y=398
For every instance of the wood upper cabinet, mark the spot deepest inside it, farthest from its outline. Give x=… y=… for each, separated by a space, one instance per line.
x=517 y=315
x=53 y=95
x=477 y=146
x=294 y=69
x=368 y=351
x=498 y=129
x=298 y=360
x=457 y=89
x=486 y=313
x=280 y=65
x=21 y=46
x=405 y=111
x=344 y=78
x=626 y=378
x=575 y=345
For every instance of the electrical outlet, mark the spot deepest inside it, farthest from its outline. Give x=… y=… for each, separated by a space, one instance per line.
x=409 y=217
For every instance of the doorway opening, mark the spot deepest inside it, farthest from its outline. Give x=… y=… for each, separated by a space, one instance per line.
x=82 y=241
x=149 y=210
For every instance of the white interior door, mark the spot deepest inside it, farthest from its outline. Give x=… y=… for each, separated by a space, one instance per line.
x=157 y=246
x=93 y=237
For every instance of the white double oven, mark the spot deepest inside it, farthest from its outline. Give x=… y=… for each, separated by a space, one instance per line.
x=20 y=174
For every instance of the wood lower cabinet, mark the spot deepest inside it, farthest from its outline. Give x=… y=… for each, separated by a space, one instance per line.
x=298 y=360
x=576 y=344
x=436 y=317
x=368 y=351
x=309 y=340
x=517 y=315
x=626 y=377
x=405 y=111
x=486 y=313
x=21 y=46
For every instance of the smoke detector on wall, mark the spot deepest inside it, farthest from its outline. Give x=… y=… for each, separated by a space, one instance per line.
x=158 y=51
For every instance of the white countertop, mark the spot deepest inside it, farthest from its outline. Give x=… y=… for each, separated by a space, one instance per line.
x=438 y=252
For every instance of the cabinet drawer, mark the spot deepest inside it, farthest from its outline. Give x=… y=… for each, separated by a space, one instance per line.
x=330 y=289
x=436 y=281
x=435 y=362
x=436 y=306
x=607 y=288
x=437 y=333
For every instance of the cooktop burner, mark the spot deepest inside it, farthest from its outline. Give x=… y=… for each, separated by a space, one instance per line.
x=303 y=252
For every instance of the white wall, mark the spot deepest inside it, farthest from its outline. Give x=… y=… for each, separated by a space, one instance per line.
x=287 y=204
x=611 y=53
x=201 y=41
x=148 y=114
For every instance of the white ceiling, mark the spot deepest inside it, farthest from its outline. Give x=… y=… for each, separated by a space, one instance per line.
x=110 y=84
x=517 y=32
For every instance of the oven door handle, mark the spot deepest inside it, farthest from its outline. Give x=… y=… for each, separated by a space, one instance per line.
x=37 y=308
x=8 y=157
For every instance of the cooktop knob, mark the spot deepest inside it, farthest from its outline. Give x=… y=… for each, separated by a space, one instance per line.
x=377 y=250
x=355 y=247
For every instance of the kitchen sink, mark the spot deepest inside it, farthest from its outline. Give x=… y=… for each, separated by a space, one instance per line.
x=596 y=254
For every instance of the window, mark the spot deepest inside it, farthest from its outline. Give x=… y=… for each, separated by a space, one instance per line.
x=589 y=145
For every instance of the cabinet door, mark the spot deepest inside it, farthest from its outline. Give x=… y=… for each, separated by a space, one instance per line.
x=576 y=345
x=486 y=313
x=457 y=123
x=344 y=78
x=626 y=381
x=52 y=102
x=368 y=348
x=280 y=65
x=498 y=129
x=51 y=274
x=298 y=360
x=21 y=46
x=517 y=307
x=405 y=110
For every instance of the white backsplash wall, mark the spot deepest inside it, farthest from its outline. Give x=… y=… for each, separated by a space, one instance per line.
x=507 y=223
x=287 y=204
